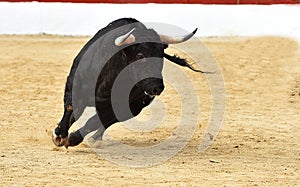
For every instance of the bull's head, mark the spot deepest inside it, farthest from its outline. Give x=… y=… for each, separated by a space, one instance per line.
x=146 y=49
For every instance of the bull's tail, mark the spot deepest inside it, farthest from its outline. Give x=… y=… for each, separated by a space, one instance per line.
x=182 y=62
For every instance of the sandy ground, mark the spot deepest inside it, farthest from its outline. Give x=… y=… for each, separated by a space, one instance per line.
x=258 y=144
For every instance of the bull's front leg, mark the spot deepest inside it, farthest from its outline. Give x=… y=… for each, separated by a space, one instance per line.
x=60 y=133
x=93 y=124
x=75 y=138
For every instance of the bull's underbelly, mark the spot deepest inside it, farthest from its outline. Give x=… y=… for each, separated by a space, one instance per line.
x=108 y=116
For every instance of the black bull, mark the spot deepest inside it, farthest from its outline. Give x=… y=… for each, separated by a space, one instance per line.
x=124 y=47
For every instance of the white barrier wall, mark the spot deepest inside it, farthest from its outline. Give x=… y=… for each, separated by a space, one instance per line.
x=212 y=20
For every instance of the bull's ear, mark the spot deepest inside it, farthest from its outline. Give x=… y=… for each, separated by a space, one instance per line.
x=166 y=46
x=127 y=38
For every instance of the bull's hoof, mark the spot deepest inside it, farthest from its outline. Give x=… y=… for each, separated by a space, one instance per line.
x=59 y=141
x=74 y=139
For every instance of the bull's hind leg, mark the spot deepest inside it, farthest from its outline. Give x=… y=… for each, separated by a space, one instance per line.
x=60 y=134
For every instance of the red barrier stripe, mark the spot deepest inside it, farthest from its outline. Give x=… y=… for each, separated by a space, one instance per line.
x=261 y=2
x=268 y=2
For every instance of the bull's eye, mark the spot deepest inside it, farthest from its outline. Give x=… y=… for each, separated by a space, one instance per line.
x=140 y=56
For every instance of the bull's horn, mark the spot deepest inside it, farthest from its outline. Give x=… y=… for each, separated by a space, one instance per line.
x=176 y=40
x=127 y=38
